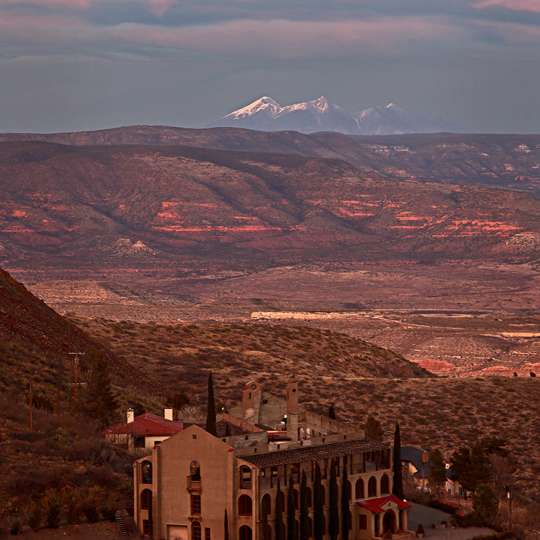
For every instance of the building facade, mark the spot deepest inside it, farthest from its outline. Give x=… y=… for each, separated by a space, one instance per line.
x=247 y=486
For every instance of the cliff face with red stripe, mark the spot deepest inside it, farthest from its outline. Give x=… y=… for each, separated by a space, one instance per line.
x=109 y=203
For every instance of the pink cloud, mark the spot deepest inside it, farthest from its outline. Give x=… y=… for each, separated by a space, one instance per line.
x=514 y=5
x=287 y=39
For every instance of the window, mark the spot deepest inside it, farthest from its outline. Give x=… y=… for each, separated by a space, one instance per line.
x=195 y=531
x=385 y=485
x=146 y=470
x=195 y=471
x=359 y=492
x=372 y=487
x=362 y=522
x=207 y=535
x=245 y=477
x=195 y=504
x=245 y=533
x=146 y=499
x=266 y=507
x=245 y=505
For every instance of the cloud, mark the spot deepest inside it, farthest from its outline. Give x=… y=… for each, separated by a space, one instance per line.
x=512 y=5
x=72 y=4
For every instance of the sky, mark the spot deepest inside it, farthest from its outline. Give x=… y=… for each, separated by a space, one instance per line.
x=90 y=64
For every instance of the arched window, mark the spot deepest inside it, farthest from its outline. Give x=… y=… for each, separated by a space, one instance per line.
x=195 y=531
x=385 y=484
x=309 y=527
x=359 y=491
x=146 y=499
x=266 y=506
x=245 y=505
x=245 y=477
x=372 y=487
x=195 y=471
x=146 y=469
x=245 y=533
x=267 y=531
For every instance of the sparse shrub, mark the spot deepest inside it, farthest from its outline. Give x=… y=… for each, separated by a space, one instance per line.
x=53 y=509
x=35 y=517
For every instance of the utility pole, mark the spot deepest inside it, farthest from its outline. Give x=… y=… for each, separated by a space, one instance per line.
x=75 y=382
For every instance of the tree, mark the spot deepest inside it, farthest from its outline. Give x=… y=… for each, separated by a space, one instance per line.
x=211 y=408
x=291 y=511
x=332 y=412
x=374 y=431
x=345 y=503
x=226 y=526
x=485 y=504
x=99 y=401
x=333 y=508
x=397 y=489
x=278 y=525
x=304 y=510
x=437 y=473
x=318 y=507
x=472 y=466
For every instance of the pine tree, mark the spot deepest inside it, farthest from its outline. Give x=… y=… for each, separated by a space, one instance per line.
x=304 y=511
x=345 y=503
x=398 y=471
x=211 y=408
x=278 y=525
x=226 y=526
x=318 y=507
x=99 y=401
x=333 y=506
x=291 y=512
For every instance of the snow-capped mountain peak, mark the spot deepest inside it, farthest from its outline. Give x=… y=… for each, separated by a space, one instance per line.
x=264 y=104
x=266 y=114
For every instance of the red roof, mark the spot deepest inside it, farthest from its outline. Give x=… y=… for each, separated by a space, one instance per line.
x=376 y=506
x=147 y=425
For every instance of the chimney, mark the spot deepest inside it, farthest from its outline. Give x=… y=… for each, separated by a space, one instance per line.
x=292 y=411
x=130 y=415
x=168 y=414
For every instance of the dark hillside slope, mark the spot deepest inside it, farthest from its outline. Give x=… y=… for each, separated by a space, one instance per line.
x=35 y=343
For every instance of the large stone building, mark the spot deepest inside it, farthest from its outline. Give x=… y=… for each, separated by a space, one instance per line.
x=197 y=486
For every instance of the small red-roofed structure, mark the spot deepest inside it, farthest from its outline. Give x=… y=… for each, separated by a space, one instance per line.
x=143 y=431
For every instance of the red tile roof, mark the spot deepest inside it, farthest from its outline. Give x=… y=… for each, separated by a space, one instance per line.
x=376 y=506
x=147 y=425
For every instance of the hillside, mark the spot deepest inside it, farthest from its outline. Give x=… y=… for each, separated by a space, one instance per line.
x=35 y=343
x=497 y=160
x=333 y=368
x=72 y=206
x=175 y=357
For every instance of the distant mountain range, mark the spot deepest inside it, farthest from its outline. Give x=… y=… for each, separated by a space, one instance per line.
x=266 y=114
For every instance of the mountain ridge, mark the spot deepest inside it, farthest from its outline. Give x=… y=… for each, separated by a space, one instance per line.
x=266 y=114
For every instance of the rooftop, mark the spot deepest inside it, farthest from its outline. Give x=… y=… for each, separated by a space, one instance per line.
x=146 y=425
x=313 y=449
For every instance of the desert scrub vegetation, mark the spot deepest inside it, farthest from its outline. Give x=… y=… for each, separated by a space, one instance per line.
x=61 y=471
